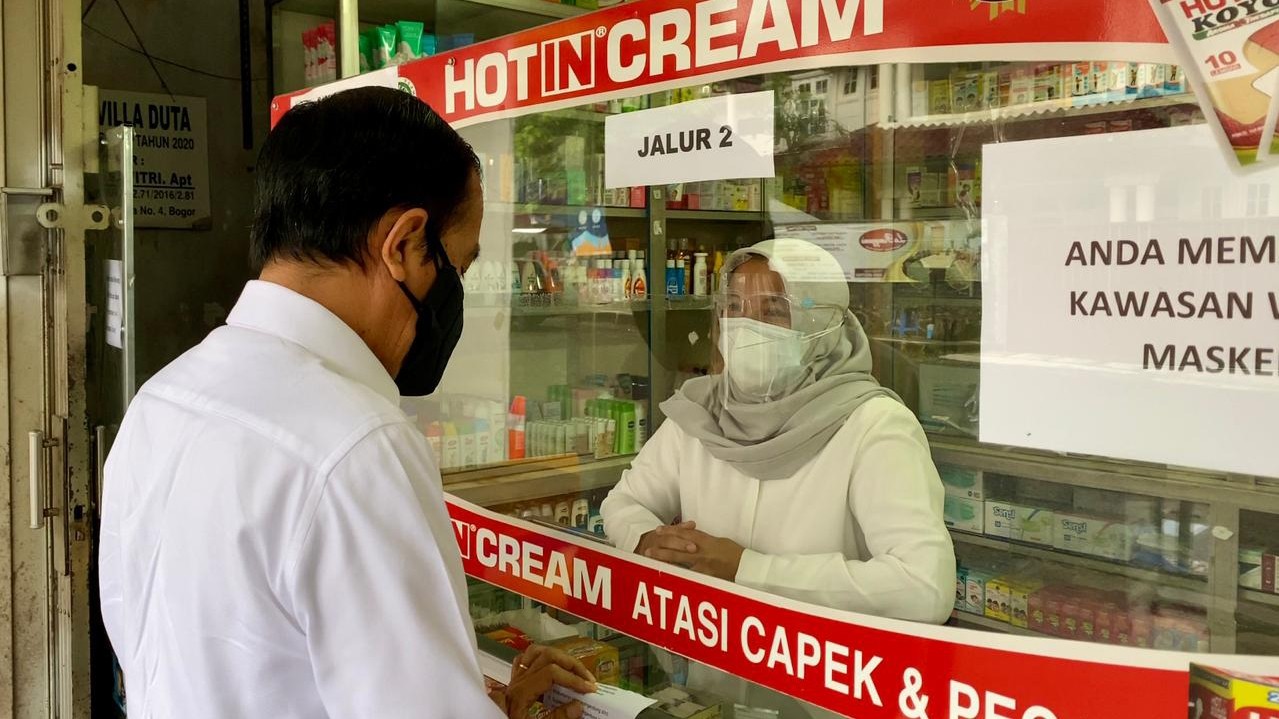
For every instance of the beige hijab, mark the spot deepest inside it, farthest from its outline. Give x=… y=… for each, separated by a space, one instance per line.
x=775 y=439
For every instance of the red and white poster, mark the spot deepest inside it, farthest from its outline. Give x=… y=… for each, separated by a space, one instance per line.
x=860 y=666
x=655 y=45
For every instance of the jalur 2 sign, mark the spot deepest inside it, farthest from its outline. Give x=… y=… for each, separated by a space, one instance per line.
x=1130 y=306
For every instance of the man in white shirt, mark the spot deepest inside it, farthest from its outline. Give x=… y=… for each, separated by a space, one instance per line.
x=274 y=538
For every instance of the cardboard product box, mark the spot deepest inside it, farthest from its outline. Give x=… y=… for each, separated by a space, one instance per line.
x=1105 y=538
x=1037 y=610
x=961 y=588
x=966 y=92
x=1221 y=693
x=963 y=514
x=1049 y=84
x=999 y=599
x=1080 y=79
x=1270 y=572
x=975 y=601
x=918 y=94
x=1024 y=524
x=939 y=97
x=601 y=659
x=1020 y=593
x=1021 y=86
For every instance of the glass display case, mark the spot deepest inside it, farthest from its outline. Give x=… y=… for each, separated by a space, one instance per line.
x=590 y=306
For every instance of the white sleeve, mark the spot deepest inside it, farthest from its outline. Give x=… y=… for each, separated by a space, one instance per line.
x=647 y=495
x=110 y=561
x=377 y=588
x=896 y=498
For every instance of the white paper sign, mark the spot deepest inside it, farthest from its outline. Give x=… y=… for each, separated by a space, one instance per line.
x=607 y=702
x=115 y=303
x=1131 y=300
x=170 y=156
x=719 y=138
x=867 y=252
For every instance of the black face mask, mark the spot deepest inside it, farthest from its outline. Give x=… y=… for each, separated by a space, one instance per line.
x=439 y=326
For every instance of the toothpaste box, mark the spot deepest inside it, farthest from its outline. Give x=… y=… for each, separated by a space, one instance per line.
x=1105 y=538
x=975 y=601
x=962 y=481
x=1024 y=524
x=962 y=514
x=999 y=599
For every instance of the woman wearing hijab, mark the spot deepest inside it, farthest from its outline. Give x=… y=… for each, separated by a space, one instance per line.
x=793 y=471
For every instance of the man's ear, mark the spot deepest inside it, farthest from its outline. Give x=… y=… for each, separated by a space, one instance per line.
x=405 y=243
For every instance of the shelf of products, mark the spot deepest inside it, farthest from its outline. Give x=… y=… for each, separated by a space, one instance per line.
x=1195 y=587
x=1252 y=595
x=1040 y=111
x=990 y=625
x=715 y=215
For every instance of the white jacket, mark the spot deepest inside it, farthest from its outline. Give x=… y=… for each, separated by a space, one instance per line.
x=858 y=528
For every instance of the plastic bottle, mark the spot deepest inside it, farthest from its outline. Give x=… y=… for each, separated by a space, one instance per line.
x=681 y=278
x=466 y=435
x=672 y=279
x=497 y=432
x=718 y=271
x=435 y=438
x=626 y=429
x=452 y=447
x=483 y=442
x=619 y=283
x=639 y=289
x=700 y=275
x=628 y=275
x=639 y=391
x=514 y=283
x=515 y=428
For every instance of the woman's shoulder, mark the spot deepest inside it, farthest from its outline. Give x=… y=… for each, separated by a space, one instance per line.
x=882 y=414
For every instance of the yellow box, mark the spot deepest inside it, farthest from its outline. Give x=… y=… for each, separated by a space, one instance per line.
x=1220 y=693
x=602 y=660
x=999 y=599
x=1019 y=601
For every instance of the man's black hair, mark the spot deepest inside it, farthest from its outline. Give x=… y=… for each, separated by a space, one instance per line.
x=332 y=168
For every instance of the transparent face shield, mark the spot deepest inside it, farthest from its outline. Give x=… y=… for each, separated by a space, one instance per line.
x=767 y=337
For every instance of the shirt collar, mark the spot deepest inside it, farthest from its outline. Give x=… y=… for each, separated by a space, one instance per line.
x=277 y=310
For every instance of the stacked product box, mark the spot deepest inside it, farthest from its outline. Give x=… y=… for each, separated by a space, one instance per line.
x=977 y=88
x=963 y=509
x=1072 y=611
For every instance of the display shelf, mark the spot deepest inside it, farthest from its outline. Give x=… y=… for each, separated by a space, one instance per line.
x=545 y=209
x=1194 y=589
x=1037 y=111
x=938 y=213
x=991 y=625
x=906 y=341
x=556 y=310
x=1253 y=595
x=543 y=8
x=535 y=479
x=716 y=215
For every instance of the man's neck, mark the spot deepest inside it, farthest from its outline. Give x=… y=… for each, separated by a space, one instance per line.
x=344 y=291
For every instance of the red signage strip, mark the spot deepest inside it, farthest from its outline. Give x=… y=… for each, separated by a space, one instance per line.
x=860 y=666
x=659 y=44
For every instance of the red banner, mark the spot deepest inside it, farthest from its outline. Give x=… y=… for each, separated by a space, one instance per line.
x=860 y=666
x=660 y=44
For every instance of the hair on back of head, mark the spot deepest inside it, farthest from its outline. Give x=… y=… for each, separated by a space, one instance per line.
x=331 y=169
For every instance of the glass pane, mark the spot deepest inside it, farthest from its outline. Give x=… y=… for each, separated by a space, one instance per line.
x=1258 y=613
x=553 y=367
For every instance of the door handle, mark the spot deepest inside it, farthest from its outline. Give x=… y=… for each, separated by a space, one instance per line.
x=37 y=443
x=35 y=449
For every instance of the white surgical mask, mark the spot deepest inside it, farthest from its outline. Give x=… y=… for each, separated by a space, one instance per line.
x=763 y=361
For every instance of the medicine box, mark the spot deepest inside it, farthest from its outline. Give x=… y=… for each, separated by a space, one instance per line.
x=1019 y=601
x=1105 y=538
x=1024 y=524
x=1221 y=693
x=999 y=599
x=962 y=514
x=975 y=601
x=961 y=588
x=962 y=481
x=1270 y=572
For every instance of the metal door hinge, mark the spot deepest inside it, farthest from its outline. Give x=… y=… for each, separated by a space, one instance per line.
x=52 y=216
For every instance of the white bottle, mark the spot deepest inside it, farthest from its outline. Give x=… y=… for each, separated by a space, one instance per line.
x=699 y=275
x=627 y=279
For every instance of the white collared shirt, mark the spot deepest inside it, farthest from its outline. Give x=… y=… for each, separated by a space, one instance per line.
x=274 y=538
